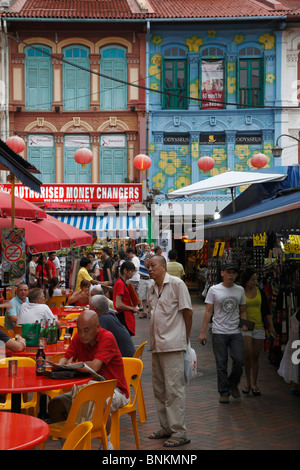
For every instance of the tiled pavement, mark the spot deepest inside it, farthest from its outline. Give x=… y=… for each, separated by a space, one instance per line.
x=268 y=422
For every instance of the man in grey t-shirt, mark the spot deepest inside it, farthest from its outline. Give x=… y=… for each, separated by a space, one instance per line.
x=226 y=303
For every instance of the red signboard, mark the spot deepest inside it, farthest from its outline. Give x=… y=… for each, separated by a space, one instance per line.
x=79 y=193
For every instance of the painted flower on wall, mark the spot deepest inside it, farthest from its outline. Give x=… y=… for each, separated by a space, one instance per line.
x=270 y=77
x=169 y=162
x=186 y=169
x=211 y=33
x=195 y=150
x=152 y=147
x=230 y=67
x=184 y=150
x=159 y=180
x=194 y=89
x=154 y=86
x=242 y=151
x=231 y=85
x=194 y=43
x=154 y=72
x=182 y=181
x=156 y=40
x=267 y=40
x=238 y=38
x=219 y=155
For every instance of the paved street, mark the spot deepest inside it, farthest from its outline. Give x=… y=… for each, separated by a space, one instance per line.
x=268 y=422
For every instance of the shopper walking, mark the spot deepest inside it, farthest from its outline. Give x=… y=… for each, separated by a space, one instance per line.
x=171 y=322
x=226 y=304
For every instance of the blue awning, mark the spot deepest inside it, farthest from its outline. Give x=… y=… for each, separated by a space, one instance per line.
x=112 y=226
x=270 y=215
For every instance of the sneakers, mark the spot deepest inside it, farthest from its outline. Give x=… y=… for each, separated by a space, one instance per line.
x=223 y=399
x=235 y=392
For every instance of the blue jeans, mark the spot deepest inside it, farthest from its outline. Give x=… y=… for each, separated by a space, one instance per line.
x=221 y=344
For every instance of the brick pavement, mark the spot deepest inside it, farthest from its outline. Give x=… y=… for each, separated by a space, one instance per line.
x=268 y=422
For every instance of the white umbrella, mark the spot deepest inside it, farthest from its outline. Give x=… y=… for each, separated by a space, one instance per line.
x=228 y=179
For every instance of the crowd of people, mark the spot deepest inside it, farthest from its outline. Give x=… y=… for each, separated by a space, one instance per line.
x=148 y=286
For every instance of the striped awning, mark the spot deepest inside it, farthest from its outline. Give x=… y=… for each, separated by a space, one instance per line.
x=111 y=225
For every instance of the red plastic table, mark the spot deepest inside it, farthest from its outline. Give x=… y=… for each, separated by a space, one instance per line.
x=19 y=432
x=27 y=381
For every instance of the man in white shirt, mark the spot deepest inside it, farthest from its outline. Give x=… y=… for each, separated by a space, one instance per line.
x=11 y=314
x=35 y=309
x=226 y=303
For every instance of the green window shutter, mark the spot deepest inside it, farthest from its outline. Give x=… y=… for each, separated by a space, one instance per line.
x=76 y=80
x=38 y=79
x=44 y=160
x=251 y=82
x=113 y=165
x=113 y=63
x=175 y=81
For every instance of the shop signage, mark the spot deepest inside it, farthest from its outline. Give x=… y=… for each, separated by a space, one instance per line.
x=176 y=139
x=259 y=239
x=291 y=248
x=212 y=87
x=79 y=193
x=218 y=249
x=113 y=141
x=13 y=256
x=246 y=139
x=213 y=139
x=294 y=239
x=40 y=140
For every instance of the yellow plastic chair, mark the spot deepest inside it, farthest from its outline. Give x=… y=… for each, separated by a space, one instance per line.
x=80 y=437
x=98 y=393
x=140 y=401
x=54 y=393
x=32 y=404
x=133 y=369
x=18 y=330
x=71 y=316
x=2 y=320
x=56 y=301
x=9 y=333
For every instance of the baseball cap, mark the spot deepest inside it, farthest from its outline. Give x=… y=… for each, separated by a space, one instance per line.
x=230 y=266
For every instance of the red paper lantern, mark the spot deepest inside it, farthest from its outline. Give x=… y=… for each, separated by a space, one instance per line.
x=259 y=160
x=83 y=156
x=206 y=163
x=142 y=162
x=16 y=143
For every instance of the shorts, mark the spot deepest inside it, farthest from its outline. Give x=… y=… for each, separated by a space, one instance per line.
x=145 y=284
x=256 y=334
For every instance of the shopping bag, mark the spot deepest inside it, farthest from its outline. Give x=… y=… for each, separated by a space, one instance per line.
x=190 y=364
x=30 y=332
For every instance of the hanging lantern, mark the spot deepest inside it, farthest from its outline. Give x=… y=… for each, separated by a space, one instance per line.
x=142 y=162
x=16 y=143
x=259 y=160
x=206 y=163
x=83 y=156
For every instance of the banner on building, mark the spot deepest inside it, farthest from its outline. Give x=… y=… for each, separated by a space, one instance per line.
x=79 y=193
x=212 y=84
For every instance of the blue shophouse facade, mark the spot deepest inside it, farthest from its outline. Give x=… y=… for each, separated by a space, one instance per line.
x=215 y=90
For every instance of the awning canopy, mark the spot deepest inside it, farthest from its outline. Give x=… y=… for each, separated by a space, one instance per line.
x=270 y=215
x=226 y=180
x=109 y=225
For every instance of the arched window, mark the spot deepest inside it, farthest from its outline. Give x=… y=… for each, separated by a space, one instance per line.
x=175 y=78
x=38 y=78
x=76 y=78
x=250 y=76
x=212 y=78
x=113 y=63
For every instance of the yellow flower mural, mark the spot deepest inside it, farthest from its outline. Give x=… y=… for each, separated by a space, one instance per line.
x=242 y=151
x=156 y=59
x=211 y=33
x=238 y=38
x=152 y=148
x=159 y=180
x=156 y=40
x=219 y=155
x=195 y=150
x=154 y=86
x=169 y=162
x=154 y=72
x=194 y=43
x=182 y=181
x=187 y=170
x=194 y=89
x=267 y=40
x=270 y=77
x=231 y=85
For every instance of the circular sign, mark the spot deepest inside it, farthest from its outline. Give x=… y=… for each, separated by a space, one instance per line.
x=13 y=252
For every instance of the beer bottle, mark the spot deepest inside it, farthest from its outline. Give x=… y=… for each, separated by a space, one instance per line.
x=40 y=359
x=49 y=333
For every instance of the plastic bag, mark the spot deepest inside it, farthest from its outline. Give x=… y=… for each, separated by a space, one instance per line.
x=190 y=364
x=31 y=331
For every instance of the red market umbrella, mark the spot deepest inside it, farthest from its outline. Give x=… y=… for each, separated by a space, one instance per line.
x=37 y=239
x=78 y=237
x=23 y=208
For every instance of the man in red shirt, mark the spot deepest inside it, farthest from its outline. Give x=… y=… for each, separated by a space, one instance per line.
x=50 y=266
x=99 y=350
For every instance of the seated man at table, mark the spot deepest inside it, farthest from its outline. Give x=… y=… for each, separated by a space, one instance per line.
x=12 y=344
x=97 y=290
x=83 y=273
x=11 y=314
x=109 y=321
x=99 y=350
x=35 y=309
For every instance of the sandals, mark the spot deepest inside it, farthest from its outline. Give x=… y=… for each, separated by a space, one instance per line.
x=246 y=389
x=255 y=391
x=143 y=315
x=158 y=435
x=176 y=442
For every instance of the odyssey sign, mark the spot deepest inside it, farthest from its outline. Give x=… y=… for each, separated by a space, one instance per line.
x=78 y=193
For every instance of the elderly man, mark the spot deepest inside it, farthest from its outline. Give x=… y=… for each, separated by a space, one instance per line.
x=99 y=350
x=109 y=321
x=171 y=322
x=11 y=315
x=35 y=309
